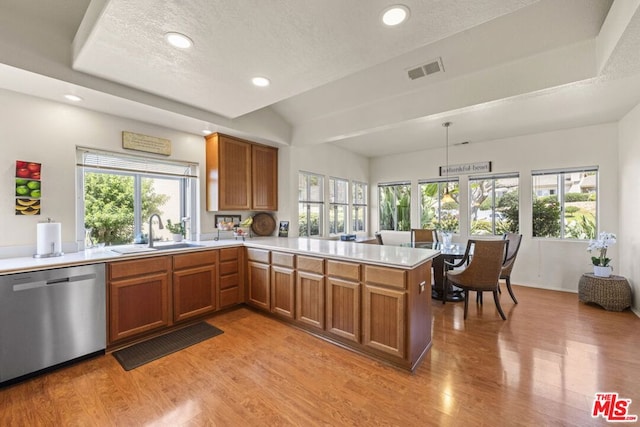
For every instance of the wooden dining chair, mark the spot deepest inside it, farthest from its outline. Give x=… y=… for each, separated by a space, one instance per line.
x=419 y=235
x=482 y=272
x=514 y=245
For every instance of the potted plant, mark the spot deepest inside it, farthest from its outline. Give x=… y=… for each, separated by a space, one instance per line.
x=177 y=230
x=601 y=267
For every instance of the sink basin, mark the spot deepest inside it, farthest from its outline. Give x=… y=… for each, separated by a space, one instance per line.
x=176 y=246
x=132 y=249
x=158 y=247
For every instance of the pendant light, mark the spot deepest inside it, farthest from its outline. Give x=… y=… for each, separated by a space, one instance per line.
x=446 y=198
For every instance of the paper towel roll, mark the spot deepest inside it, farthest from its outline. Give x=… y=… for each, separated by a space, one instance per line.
x=49 y=238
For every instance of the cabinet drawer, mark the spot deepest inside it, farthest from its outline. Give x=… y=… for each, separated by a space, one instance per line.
x=346 y=270
x=282 y=259
x=229 y=297
x=194 y=259
x=385 y=276
x=259 y=255
x=228 y=254
x=314 y=265
x=229 y=281
x=137 y=267
x=228 y=267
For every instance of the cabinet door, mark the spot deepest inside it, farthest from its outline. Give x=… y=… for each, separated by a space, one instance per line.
x=282 y=291
x=343 y=308
x=194 y=292
x=228 y=173
x=138 y=305
x=310 y=299
x=259 y=285
x=384 y=320
x=264 y=179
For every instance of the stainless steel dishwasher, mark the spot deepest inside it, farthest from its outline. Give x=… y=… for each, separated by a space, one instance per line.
x=50 y=317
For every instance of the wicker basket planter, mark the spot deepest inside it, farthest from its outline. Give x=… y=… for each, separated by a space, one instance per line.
x=612 y=293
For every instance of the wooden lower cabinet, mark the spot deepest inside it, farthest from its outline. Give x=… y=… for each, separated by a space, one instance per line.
x=381 y=311
x=310 y=299
x=194 y=284
x=343 y=308
x=258 y=285
x=283 y=284
x=138 y=297
x=343 y=300
x=384 y=320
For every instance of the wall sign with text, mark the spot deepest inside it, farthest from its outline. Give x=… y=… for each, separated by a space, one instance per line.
x=466 y=168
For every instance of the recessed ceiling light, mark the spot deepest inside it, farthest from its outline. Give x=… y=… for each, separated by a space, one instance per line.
x=178 y=40
x=395 y=15
x=260 y=81
x=74 y=98
x=206 y=132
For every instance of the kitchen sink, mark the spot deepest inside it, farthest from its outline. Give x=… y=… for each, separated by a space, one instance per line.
x=159 y=247
x=176 y=246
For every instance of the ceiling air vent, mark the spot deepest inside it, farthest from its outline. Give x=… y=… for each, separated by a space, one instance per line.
x=432 y=67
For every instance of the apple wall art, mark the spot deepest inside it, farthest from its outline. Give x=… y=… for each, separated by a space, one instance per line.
x=28 y=191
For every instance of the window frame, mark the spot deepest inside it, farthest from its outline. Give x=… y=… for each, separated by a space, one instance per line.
x=91 y=160
x=493 y=211
x=442 y=183
x=335 y=206
x=396 y=221
x=311 y=203
x=357 y=205
x=561 y=194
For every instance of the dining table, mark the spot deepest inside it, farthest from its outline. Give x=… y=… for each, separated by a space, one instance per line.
x=448 y=255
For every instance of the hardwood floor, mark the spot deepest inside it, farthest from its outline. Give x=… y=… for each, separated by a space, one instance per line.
x=542 y=366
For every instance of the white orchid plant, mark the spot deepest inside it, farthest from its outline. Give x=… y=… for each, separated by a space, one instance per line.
x=601 y=244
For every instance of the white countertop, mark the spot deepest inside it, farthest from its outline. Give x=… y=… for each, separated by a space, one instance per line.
x=393 y=256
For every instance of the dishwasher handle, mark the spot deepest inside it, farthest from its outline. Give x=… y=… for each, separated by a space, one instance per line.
x=52 y=282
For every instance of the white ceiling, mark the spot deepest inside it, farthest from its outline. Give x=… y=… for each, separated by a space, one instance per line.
x=511 y=67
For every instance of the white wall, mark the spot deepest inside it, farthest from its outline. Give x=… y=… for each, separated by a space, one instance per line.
x=47 y=132
x=628 y=180
x=545 y=263
x=39 y=130
x=327 y=160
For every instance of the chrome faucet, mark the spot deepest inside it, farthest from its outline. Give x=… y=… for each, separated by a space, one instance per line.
x=160 y=226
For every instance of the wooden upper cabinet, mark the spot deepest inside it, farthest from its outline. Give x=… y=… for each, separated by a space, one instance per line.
x=241 y=175
x=264 y=180
x=228 y=173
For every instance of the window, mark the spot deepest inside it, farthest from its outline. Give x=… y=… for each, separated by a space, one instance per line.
x=338 y=205
x=310 y=204
x=433 y=210
x=120 y=192
x=395 y=206
x=494 y=205
x=564 y=203
x=359 y=207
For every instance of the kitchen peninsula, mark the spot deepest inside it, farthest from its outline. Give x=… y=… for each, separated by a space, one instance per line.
x=372 y=299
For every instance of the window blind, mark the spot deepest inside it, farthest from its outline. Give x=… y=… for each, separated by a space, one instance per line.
x=121 y=162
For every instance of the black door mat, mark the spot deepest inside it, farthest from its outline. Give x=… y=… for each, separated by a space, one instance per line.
x=155 y=348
